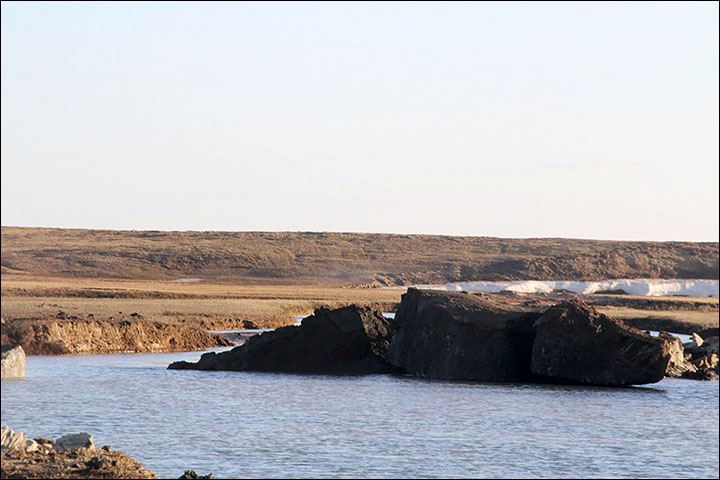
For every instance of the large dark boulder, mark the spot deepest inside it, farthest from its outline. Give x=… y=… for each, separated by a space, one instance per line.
x=458 y=336
x=576 y=343
x=346 y=341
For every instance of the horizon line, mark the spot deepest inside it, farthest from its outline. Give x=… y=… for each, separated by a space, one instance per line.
x=357 y=232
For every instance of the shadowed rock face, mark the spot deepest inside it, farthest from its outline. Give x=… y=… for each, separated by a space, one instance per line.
x=696 y=359
x=346 y=341
x=456 y=336
x=575 y=343
x=678 y=366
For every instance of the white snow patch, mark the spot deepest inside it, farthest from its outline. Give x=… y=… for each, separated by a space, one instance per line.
x=638 y=286
x=299 y=318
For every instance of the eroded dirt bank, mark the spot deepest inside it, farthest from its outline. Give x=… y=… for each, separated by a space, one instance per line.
x=65 y=336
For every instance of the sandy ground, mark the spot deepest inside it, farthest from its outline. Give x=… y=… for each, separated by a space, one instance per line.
x=211 y=305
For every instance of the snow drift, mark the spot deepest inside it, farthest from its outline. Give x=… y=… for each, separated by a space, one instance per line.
x=648 y=287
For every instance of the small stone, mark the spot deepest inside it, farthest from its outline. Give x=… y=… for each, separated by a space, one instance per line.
x=73 y=441
x=96 y=463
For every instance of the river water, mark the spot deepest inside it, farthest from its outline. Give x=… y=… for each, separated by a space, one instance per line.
x=239 y=424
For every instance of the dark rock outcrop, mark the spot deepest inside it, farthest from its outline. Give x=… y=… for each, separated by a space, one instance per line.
x=700 y=346
x=470 y=337
x=681 y=364
x=576 y=343
x=709 y=332
x=697 y=359
x=678 y=365
x=346 y=341
x=457 y=336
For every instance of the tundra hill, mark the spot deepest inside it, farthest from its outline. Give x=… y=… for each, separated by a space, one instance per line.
x=342 y=258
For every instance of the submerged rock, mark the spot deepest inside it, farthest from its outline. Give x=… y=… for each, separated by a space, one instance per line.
x=13 y=362
x=192 y=474
x=457 y=336
x=576 y=343
x=346 y=341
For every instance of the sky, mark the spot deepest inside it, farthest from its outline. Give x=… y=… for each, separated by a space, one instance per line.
x=578 y=120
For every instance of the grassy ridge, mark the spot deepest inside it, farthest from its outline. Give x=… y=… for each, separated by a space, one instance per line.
x=342 y=258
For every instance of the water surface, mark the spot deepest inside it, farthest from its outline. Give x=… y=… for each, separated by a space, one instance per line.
x=239 y=424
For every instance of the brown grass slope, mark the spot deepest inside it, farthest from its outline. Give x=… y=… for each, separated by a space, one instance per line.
x=342 y=258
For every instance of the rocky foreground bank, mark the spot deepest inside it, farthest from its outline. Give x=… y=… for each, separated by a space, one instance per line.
x=457 y=336
x=70 y=456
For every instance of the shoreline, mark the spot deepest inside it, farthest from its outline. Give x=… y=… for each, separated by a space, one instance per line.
x=24 y=457
x=38 y=330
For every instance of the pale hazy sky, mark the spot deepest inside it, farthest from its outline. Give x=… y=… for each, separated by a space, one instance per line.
x=523 y=120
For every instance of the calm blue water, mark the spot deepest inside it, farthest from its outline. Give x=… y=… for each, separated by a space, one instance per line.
x=238 y=424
